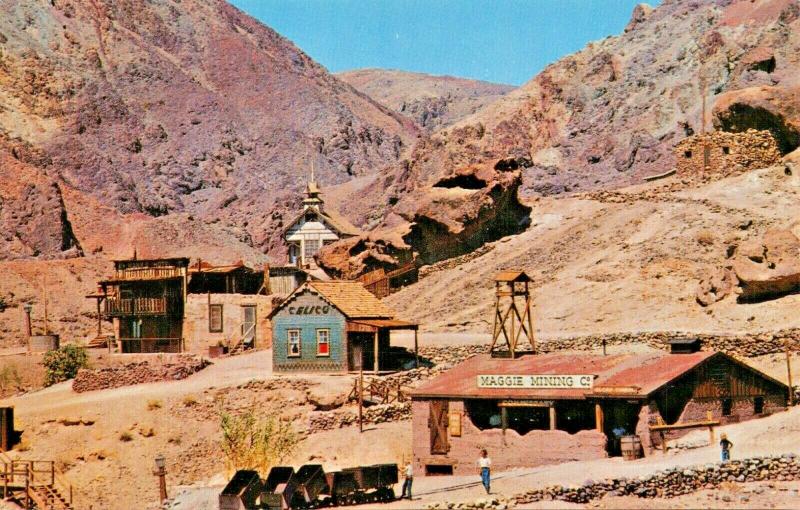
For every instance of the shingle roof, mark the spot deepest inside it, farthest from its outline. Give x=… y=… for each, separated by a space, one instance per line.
x=512 y=275
x=633 y=375
x=352 y=299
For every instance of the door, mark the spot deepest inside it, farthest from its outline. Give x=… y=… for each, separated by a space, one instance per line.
x=355 y=352
x=438 y=422
x=249 y=325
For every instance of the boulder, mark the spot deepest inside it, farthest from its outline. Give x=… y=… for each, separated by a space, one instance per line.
x=716 y=287
x=768 y=267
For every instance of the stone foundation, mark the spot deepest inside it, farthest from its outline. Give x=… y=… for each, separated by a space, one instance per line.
x=174 y=369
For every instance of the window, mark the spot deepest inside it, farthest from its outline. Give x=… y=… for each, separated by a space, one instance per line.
x=310 y=216
x=758 y=405
x=727 y=406
x=687 y=154
x=438 y=469
x=323 y=342
x=311 y=248
x=215 y=318
x=293 y=350
x=726 y=150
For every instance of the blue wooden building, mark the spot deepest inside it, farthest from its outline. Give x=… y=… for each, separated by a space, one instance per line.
x=334 y=326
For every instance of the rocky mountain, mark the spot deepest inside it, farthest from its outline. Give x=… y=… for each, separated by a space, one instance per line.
x=164 y=108
x=432 y=101
x=602 y=118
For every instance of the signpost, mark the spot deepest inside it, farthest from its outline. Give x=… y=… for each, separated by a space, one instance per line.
x=537 y=382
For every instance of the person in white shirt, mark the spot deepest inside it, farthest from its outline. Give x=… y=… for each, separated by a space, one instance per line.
x=409 y=479
x=484 y=464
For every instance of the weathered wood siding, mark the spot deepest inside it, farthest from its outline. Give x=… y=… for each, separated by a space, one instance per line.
x=295 y=315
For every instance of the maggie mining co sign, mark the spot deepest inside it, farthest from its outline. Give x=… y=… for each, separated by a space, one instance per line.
x=537 y=382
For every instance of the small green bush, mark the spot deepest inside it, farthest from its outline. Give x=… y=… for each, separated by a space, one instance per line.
x=63 y=363
x=253 y=442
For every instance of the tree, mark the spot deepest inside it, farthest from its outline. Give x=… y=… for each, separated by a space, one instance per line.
x=63 y=363
x=252 y=443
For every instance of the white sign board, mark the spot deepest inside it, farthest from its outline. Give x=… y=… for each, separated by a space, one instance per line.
x=537 y=382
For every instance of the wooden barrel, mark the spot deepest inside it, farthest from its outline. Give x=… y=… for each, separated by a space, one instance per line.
x=631 y=447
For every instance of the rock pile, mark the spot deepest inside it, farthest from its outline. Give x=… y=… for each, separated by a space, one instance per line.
x=383 y=413
x=674 y=482
x=137 y=373
x=450 y=354
x=481 y=503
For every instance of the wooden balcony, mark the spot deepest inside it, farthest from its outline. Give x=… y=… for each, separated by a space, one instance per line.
x=115 y=307
x=148 y=273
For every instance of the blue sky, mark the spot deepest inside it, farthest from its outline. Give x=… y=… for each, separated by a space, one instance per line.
x=505 y=41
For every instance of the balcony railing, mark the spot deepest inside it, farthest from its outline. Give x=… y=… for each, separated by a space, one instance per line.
x=136 y=306
x=148 y=273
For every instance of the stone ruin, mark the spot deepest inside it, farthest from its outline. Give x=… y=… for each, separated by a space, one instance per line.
x=722 y=152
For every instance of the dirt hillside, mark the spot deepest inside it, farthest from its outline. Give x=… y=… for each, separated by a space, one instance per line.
x=432 y=101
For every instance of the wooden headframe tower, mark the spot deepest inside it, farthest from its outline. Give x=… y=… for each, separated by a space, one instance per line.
x=512 y=311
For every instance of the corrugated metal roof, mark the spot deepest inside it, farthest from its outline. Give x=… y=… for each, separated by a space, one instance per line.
x=352 y=299
x=512 y=275
x=635 y=375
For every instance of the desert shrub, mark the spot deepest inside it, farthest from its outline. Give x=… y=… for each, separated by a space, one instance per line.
x=63 y=363
x=154 y=404
x=125 y=436
x=3 y=304
x=250 y=442
x=189 y=400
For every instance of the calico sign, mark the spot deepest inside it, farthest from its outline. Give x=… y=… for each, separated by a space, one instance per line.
x=537 y=382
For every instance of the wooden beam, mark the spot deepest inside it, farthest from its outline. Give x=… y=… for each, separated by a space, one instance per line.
x=416 y=348
x=376 y=355
x=598 y=416
x=552 y=418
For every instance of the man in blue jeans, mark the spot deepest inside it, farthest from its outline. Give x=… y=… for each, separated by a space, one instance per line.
x=485 y=464
x=409 y=479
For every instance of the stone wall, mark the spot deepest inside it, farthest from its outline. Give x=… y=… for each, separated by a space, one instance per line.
x=727 y=153
x=196 y=332
x=744 y=345
x=172 y=368
x=536 y=448
x=382 y=413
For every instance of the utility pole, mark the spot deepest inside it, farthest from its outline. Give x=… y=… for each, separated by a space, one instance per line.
x=789 y=371
x=161 y=473
x=44 y=298
x=361 y=398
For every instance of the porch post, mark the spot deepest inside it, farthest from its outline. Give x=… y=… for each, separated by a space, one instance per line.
x=416 y=348
x=552 y=417
x=376 y=368
x=598 y=414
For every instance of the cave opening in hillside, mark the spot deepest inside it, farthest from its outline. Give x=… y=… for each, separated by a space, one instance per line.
x=740 y=117
x=468 y=181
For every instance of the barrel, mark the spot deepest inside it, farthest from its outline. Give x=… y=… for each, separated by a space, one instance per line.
x=44 y=343
x=631 y=447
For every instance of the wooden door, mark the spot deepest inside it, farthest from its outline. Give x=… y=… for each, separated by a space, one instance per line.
x=355 y=352
x=438 y=422
x=248 y=325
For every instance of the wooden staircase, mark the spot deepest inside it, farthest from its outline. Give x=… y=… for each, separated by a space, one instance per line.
x=35 y=484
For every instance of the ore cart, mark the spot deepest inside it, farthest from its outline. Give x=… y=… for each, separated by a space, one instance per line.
x=342 y=487
x=241 y=492
x=307 y=484
x=277 y=492
x=375 y=483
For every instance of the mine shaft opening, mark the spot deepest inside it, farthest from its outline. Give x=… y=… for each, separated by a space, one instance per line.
x=741 y=117
x=468 y=181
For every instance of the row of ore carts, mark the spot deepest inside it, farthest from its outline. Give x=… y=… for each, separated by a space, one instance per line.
x=309 y=487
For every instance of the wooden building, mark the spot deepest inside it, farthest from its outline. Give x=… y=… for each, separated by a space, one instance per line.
x=334 y=326
x=166 y=305
x=551 y=408
x=313 y=228
x=145 y=300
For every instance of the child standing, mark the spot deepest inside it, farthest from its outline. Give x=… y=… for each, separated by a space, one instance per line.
x=725 y=447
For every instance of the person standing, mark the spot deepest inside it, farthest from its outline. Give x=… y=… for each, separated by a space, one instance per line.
x=409 y=479
x=485 y=464
x=725 y=447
